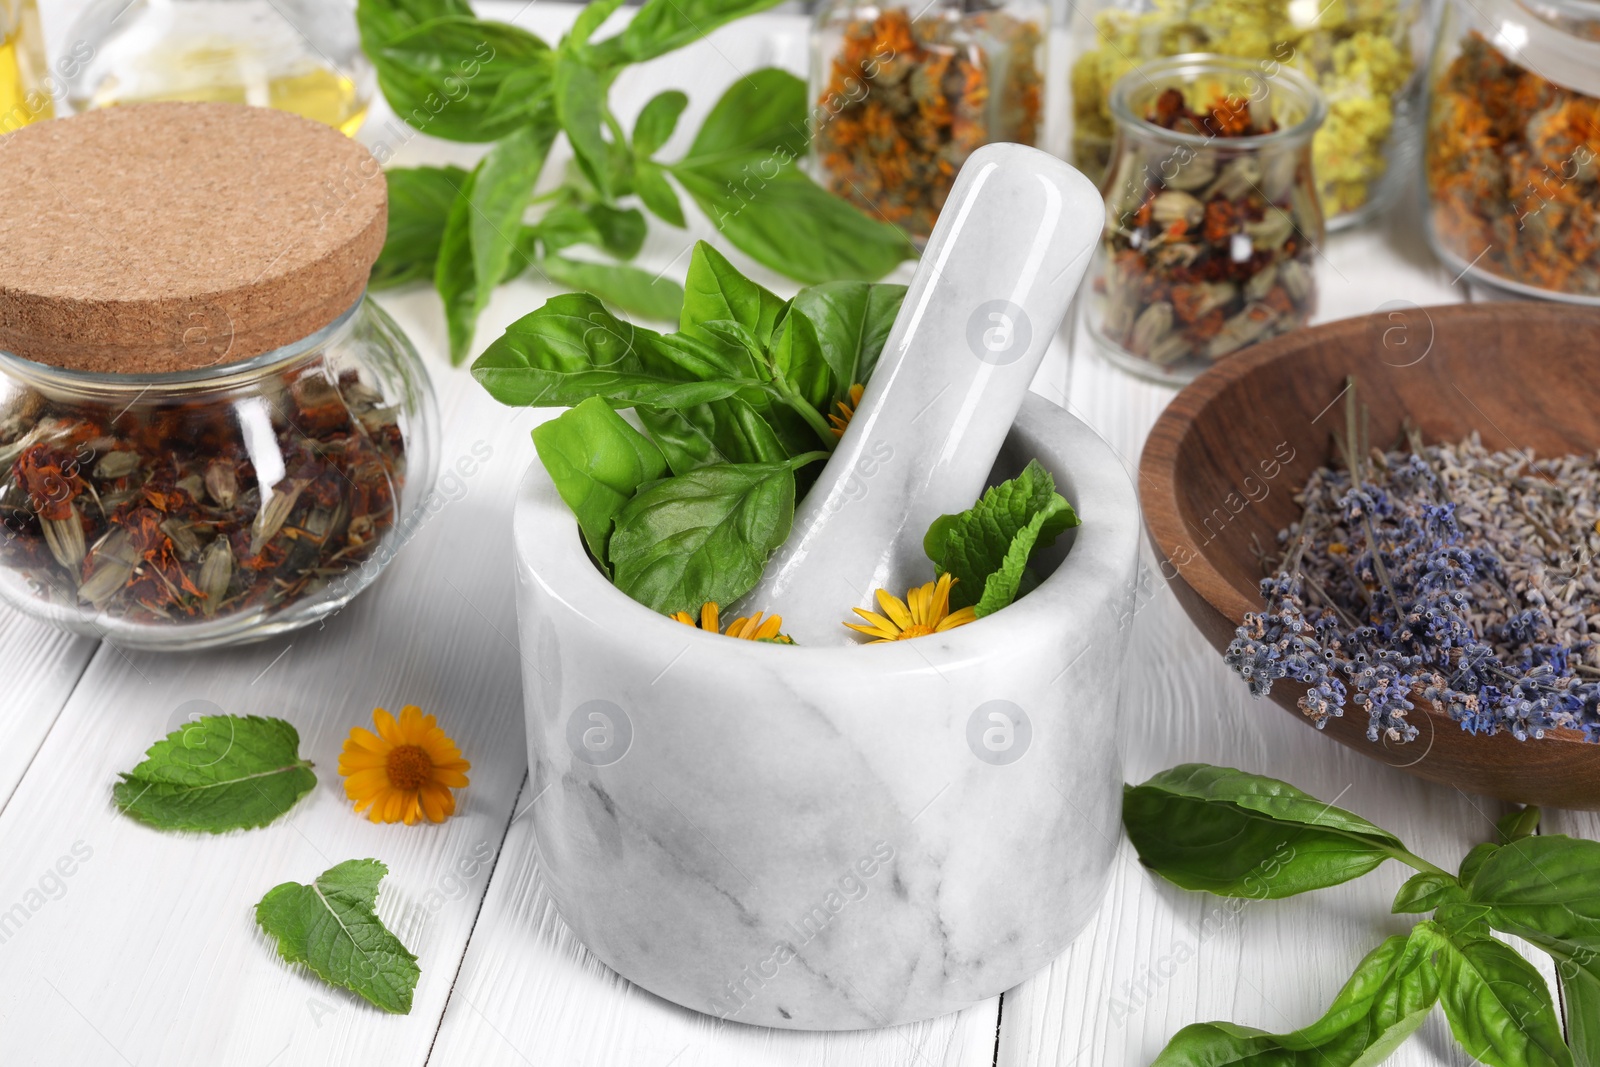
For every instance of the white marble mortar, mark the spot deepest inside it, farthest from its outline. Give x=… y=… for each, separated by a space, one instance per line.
x=832 y=838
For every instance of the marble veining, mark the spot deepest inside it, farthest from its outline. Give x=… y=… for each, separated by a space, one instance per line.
x=831 y=838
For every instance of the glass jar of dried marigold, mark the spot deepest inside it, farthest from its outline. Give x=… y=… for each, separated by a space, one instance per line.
x=207 y=433
x=902 y=95
x=1513 y=147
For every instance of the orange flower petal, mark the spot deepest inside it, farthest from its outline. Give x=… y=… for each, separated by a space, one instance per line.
x=388 y=729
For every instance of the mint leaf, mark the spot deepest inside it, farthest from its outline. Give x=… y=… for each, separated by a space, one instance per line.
x=1382 y=1004
x=222 y=772
x=976 y=545
x=330 y=927
x=597 y=462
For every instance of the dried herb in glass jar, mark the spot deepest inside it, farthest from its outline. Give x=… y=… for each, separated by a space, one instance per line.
x=903 y=100
x=1513 y=163
x=156 y=513
x=1211 y=215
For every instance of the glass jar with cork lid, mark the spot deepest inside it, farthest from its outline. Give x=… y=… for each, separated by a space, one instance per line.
x=207 y=433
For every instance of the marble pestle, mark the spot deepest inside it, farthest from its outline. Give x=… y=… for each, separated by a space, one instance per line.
x=1011 y=245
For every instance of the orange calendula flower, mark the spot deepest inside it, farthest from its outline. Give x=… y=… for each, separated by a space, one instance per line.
x=846 y=411
x=754 y=628
x=924 y=611
x=405 y=771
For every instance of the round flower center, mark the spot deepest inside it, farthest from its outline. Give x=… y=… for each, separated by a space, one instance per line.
x=409 y=766
x=916 y=629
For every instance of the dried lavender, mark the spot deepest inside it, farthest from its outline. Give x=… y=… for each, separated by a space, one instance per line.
x=1449 y=572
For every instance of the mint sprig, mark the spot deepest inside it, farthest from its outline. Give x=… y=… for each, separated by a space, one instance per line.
x=1239 y=834
x=331 y=927
x=219 y=773
x=987 y=547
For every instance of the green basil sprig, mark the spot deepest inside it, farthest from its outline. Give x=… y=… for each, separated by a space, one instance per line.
x=452 y=75
x=688 y=505
x=1238 y=834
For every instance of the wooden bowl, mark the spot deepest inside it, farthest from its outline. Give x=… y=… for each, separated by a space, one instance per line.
x=1227 y=456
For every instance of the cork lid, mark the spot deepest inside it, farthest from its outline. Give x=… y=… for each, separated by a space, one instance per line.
x=169 y=237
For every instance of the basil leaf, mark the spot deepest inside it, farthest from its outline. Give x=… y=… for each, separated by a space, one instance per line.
x=1498 y=1006
x=1547 y=890
x=852 y=321
x=1474 y=861
x=497 y=200
x=580 y=93
x=1245 y=835
x=798 y=360
x=704 y=535
x=723 y=431
x=1427 y=891
x=628 y=288
x=656 y=121
x=1387 y=998
x=454 y=276
x=332 y=927
x=1515 y=825
x=742 y=172
x=785 y=221
x=714 y=291
x=976 y=545
x=465 y=79
x=381 y=21
x=221 y=772
x=419 y=203
x=664 y=25
x=621 y=232
x=591 y=18
x=597 y=462
x=572 y=348
x=651 y=184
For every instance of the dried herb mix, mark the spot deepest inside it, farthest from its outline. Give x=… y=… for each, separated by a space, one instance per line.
x=1358 y=52
x=1213 y=252
x=1511 y=172
x=155 y=514
x=905 y=100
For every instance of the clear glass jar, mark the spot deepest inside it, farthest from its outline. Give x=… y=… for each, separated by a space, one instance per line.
x=1512 y=162
x=200 y=508
x=903 y=94
x=1212 y=225
x=25 y=87
x=1363 y=54
x=302 y=56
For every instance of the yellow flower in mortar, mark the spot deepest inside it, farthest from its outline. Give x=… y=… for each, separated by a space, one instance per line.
x=924 y=611
x=405 y=771
x=753 y=628
x=846 y=411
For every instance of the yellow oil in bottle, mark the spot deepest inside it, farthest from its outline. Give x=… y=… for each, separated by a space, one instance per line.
x=23 y=97
x=226 y=72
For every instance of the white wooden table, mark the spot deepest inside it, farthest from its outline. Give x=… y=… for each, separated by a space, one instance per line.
x=148 y=953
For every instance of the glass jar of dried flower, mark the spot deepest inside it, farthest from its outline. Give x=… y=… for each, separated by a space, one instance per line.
x=902 y=95
x=1212 y=214
x=207 y=433
x=1513 y=145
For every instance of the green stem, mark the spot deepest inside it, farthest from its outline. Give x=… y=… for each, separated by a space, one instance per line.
x=1417 y=862
x=806 y=458
x=785 y=392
